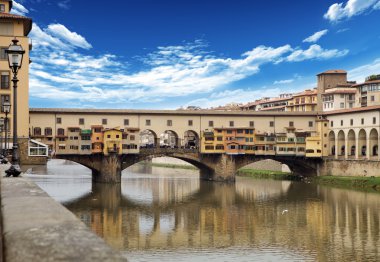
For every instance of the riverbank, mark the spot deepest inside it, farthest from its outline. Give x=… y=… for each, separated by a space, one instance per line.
x=266 y=174
x=169 y=165
x=358 y=183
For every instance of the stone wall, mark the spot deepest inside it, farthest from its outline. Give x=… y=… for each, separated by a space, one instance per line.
x=29 y=160
x=37 y=228
x=367 y=168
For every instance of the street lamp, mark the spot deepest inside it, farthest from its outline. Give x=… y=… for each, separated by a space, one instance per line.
x=1 y=136
x=6 y=109
x=15 y=54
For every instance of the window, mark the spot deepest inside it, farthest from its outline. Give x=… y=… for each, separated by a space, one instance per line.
x=85 y=147
x=117 y=136
x=374 y=120
x=341 y=105
x=4 y=80
x=3 y=55
x=37 y=131
x=3 y=99
x=240 y=131
x=351 y=122
x=332 y=123
x=132 y=138
x=59 y=120
x=210 y=123
x=271 y=123
x=104 y=121
x=147 y=122
x=190 y=122
x=341 y=95
x=209 y=147
x=126 y=122
x=341 y=122
x=325 y=124
x=362 y=121
x=81 y=121
x=372 y=98
x=2 y=8
x=350 y=105
x=169 y=123
x=108 y=136
x=229 y=131
x=6 y=28
x=48 y=131
x=291 y=123
x=219 y=147
x=231 y=123
x=61 y=131
x=251 y=124
x=219 y=138
x=310 y=123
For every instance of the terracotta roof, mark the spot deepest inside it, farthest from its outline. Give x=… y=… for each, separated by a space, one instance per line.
x=337 y=91
x=357 y=109
x=368 y=83
x=272 y=108
x=334 y=71
x=276 y=99
x=306 y=93
x=26 y=20
x=163 y=112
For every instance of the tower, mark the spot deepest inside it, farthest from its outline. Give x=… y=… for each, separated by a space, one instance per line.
x=327 y=80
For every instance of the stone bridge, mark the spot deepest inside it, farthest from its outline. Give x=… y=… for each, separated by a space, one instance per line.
x=212 y=167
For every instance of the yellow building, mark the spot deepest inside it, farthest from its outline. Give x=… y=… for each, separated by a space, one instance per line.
x=303 y=102
x=231 y=140
x=11 y=27
x=97 y=139
x=112 y=139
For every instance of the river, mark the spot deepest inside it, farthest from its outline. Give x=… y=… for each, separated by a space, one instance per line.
x=164 y=214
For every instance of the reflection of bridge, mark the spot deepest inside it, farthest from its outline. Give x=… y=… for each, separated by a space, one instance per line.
x=213 y=167
x=225 y=215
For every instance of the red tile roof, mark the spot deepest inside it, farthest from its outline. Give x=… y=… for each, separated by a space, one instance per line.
x=337 y=91
x=334 y=71
x=367 y=83
x=26 y=20
x=357 y=109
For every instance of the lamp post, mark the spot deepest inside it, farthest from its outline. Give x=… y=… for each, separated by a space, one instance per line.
x=15 y=54
x=6 y=109
x=1 y=136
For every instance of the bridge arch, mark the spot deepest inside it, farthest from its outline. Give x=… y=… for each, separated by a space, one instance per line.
x=351 y=141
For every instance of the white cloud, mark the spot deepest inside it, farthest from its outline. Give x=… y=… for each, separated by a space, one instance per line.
x=61 y=32
x=65 y=71
x=19 y=9
x=360 y=73
x=315 y=52
x=281 y=82
x=343 y=30
x=315 y=37
x=339 y=11
x=64 y=4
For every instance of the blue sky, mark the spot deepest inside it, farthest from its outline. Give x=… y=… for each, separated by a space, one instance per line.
x=165 y=54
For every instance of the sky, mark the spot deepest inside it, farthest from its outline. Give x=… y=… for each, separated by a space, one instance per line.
x=166 y=54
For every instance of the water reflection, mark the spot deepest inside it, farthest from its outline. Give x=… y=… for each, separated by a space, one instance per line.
x=166 y=214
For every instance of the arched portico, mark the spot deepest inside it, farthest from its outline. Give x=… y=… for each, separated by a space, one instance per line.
x=170 y=139
x=332 y=149
x=362 y=144
x=191 y=139
x=373 y=143
x=351 y=142
x=341 y=144
x=149 y=139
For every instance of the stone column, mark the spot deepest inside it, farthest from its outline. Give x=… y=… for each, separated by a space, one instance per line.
x=157 y=142
x=346 y=147
x=336 y=147
x=110 y=169
x=368 y=151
